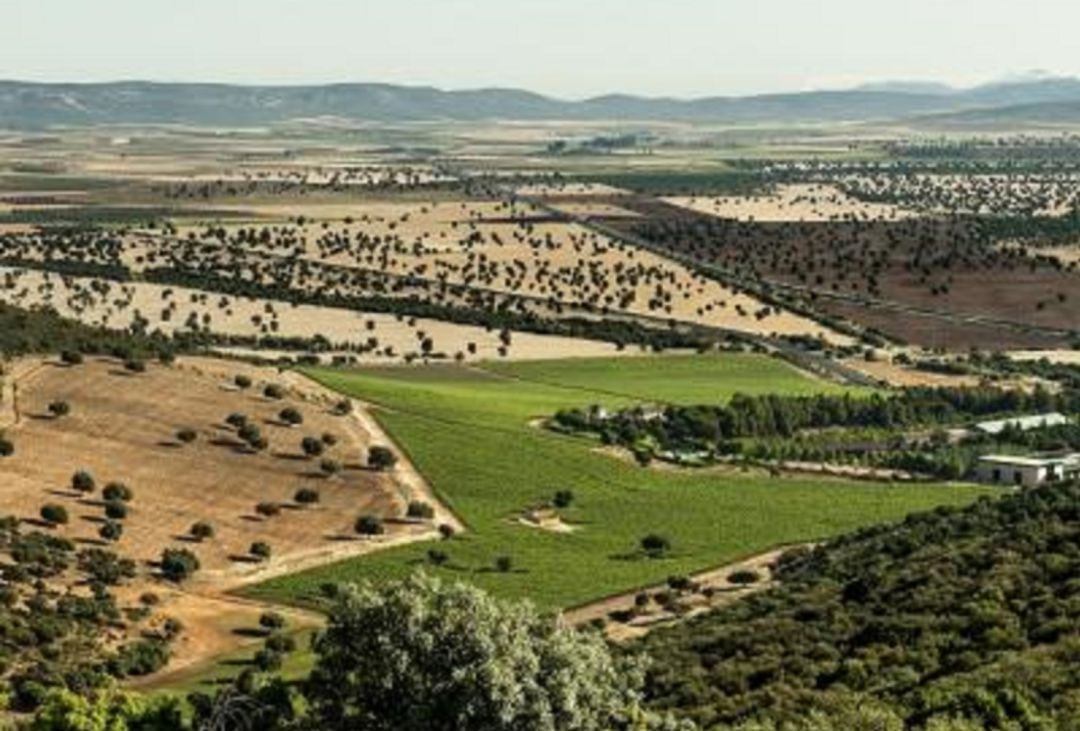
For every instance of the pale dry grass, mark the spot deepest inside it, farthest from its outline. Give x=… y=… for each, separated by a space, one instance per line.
x=901 y=376
x=247 y=317
x=122 y=428
x=797 y=202
x=1067 y=357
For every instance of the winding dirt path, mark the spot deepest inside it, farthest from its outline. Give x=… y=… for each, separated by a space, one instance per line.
x=725 y=593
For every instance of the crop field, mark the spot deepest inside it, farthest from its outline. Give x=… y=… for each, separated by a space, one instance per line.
x=670 y=379
x=469 y=432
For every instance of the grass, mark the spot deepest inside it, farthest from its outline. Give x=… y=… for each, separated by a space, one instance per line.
x=670 y=379
x=468 y=430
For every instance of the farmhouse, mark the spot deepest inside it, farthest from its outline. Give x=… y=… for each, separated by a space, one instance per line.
x=1023 y=423
x=1026 y=471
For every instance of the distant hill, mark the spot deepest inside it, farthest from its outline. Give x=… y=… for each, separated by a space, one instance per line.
x=1019 y=116
x=26 y=105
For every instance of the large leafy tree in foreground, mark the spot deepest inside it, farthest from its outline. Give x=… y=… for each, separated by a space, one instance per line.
x=423 y=655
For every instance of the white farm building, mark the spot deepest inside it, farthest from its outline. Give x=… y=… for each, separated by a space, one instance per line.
x=1026 y=471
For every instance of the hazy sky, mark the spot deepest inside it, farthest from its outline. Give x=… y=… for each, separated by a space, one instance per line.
x=568 y=48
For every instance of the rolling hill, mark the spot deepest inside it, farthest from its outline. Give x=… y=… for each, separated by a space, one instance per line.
x=25 y=105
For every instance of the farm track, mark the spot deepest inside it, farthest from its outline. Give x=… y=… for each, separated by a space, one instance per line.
x=715 y=577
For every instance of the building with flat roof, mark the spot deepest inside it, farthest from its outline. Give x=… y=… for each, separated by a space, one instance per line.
x=1007 y=469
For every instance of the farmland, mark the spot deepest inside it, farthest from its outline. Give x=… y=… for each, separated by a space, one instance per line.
x=460 y=287
x=164 y=439
x=468 y=432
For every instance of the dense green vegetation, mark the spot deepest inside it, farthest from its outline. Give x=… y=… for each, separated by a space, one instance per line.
x=415 y=655
x=56 y=639
x=43 y=331
x=468 y=430
x=885 y=430
x=969 y=613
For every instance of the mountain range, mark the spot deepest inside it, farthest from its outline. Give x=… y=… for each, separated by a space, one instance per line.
x=31 y=105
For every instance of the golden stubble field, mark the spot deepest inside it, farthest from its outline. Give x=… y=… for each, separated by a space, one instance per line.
x=122 y=427
x=515 y=249
x=795 y=202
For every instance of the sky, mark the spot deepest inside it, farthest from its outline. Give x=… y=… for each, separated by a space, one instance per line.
x=566 y=48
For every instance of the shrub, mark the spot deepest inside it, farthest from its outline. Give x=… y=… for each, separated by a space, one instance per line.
x=186 y=435
x=655 y=545
x=141 y=657
x=242 y=382
x=105 y=566
x=291 y=416
x=274 y=391
x=343 y=407
x=306 y=496
x=329 y=439
x=135 y=365
x=446 y=531
x=312 y=446
x=202 y=530
x=250 y=433
x=260 y=550
x=59 y=408
x=330 y=467
x=680 y=583
x=111 y=531
x=744 y=577
x=236 y=420
x=271 y=621
x=563 y=498
x=117 y=491
x=380 y=458
x=437 y=557
x=83 y=481
x=267 y=661
x=54 y=514
x=178 y=564
x=115 y=510
x=420 y=510
x=71 y=357
x=369 y=525
x=7 y=447
x=504 y=564
x=268 y=510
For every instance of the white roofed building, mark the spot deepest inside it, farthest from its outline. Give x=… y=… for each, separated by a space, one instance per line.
x=1021 y=471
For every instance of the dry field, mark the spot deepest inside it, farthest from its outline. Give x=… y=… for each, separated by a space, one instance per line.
x=514 y=249
x=1067 y=357
x=797 y=202
x=122 y=428
x=902 y=376
x=125 y=302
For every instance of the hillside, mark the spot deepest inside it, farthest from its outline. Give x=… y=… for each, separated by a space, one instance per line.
x=958 y=613
x=37 y=105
